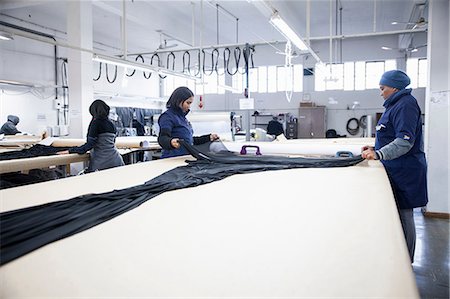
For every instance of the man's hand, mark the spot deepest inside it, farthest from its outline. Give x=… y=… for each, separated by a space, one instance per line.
x=369 y=153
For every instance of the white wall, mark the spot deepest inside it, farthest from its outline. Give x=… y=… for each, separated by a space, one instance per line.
x=30 y=61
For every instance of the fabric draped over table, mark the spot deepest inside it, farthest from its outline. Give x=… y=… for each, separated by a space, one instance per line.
x=27 y=229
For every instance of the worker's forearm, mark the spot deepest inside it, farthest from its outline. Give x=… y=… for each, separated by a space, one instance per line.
x=395 y=149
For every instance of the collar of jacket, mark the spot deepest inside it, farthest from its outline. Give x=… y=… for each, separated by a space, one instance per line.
x=179 y=111
x=396 y=96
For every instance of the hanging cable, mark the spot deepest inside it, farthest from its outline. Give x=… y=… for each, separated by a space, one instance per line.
x=173 y=61
x=99 y=72
x=353 y=130
x=143 y=73
x=159 y=64
x=289 y=71
x=204 y=64
x=216 y=68
x=237 y=58
x=188 y=68
x=226 y=61
x=115 y=73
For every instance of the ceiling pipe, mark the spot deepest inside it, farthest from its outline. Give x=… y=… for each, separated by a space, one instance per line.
x=308 y=21
x=319 y=38
x=374 y=16
x=124 y=29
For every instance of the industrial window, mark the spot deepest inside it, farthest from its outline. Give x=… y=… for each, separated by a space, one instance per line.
x=329 y=77
x=416 y=68
x=298 y=77
x=349 y=76
x=374 y=71
x=253 y=79
x=237 y=81
x=272 y=79
x=262 y=79
x=281 y=78
x=359 y=75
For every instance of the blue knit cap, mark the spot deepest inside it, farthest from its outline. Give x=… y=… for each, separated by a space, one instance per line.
x=396 y=79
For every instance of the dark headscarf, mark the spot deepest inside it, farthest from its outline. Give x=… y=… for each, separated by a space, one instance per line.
x=99 y=109
x=14 y=119
x=178 y=96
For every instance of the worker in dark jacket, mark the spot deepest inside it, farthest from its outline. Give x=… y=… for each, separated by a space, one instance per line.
x=399 y=146
x=173 y=125
x=9 y=127
x=274 y=127
x=100 y=142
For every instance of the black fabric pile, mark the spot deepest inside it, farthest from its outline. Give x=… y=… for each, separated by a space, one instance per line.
x=34 y=151
x=25 y=230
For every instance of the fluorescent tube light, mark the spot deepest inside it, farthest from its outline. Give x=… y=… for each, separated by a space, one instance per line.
x=6 y=36
x=288 y=33
x=139 y=66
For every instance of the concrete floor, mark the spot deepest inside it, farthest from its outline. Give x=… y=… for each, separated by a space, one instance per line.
x=431 y=259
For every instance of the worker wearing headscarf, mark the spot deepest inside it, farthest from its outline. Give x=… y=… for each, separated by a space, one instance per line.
x=9 y=127
x=173 y=125
x=100 y=142
x=399 y=146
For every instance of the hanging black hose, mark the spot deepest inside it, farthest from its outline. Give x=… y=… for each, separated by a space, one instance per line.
x=159 y=63
x=204 y=64
x=226 y=61
x=173 y=61
x=115 y=74
x=188 y=67
x=150 y=73
x=363 y=122
x=353 y=131
x=216 y=65
x=99 y=71
x=237 y=58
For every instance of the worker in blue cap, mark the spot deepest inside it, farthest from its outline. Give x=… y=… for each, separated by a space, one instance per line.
x=399 y=146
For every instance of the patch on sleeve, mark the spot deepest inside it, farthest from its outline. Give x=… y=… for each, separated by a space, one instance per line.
x=379 y=127
x=406 y=137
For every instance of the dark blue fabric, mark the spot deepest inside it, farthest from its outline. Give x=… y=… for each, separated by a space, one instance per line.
x=174 y=120
x=407 y=173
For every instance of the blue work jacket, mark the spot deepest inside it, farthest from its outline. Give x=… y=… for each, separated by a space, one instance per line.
x=407 y=173
x=174 y=119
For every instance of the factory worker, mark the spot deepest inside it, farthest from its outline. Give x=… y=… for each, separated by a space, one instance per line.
x=101 y=138
x=399 y=146
x=274 y=127
x=9 y=127
x=173 y=125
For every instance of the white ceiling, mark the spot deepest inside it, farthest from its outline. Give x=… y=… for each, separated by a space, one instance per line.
x=146 y=17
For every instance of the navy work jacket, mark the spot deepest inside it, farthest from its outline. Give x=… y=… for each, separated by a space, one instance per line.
x=407 y=173
x=174 y=119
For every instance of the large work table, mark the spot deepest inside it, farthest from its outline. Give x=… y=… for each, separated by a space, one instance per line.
x=314 y=232
x=124 y=144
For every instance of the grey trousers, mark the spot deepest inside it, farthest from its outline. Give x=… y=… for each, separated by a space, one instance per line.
x=409 y=229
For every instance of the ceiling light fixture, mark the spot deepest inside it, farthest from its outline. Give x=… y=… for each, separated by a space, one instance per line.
x=6 y=36
x=139 y=66
x=287 y=31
